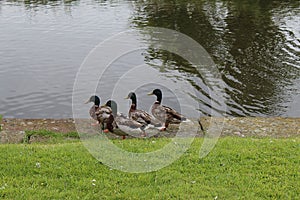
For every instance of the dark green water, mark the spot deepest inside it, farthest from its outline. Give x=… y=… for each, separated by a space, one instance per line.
x=255 y=45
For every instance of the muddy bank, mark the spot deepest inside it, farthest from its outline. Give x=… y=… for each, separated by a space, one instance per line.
x=13 y=130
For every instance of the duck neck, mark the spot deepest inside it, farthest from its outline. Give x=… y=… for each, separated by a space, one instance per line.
x=158 y=99
x=114 y=109
x=133 y=106
x=97 y=101
x=133 y=102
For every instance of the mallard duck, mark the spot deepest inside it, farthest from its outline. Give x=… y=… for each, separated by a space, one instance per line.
x=140 y=116
x=123 y=125
x=164 y=114
x=102 y=114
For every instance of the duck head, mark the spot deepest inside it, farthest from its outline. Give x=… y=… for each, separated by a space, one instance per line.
x=157 y=93
x=113 y=105
x=132 y=96
x=95 y=99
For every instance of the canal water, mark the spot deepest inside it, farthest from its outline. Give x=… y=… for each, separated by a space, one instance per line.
x=255 y=47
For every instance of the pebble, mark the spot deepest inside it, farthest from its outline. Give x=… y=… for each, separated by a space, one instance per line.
x=237 y=133
x=29 y=123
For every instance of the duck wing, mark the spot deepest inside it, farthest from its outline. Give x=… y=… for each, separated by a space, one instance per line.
x=141 y=116
x=159 y=112
x=173 y=113
x=127 y=126
x=93 y=111
x=166 y=114
x=124 y=121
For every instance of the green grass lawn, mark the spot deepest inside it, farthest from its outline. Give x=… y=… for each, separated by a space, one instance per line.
x=237 y=168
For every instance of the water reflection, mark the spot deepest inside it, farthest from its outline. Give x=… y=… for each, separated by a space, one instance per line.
x=41 y=48
x=245 y=39
x=255 y=45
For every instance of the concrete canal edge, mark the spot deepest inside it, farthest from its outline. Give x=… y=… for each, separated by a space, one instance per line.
x=13 y=130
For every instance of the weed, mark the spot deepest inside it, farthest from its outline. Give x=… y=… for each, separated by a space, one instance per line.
x=48 y=135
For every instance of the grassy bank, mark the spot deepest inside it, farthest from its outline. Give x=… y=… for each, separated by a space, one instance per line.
x=237 y=168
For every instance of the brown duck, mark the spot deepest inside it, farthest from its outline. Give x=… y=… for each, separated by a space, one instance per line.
x=164 y=114
x=141 y=116
x=122 y=125
x=102 y=114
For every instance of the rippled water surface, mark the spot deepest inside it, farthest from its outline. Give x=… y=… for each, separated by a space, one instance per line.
x=255 y=46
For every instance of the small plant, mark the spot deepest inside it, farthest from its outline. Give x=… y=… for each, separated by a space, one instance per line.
x=49 y=135
x=41 y=133
x=72 y=135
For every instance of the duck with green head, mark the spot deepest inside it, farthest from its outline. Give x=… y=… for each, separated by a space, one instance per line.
x=138 y=115
x=102 y=114
x=164 y=114
x=124 y=126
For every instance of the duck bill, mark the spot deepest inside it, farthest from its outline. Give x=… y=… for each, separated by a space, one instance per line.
x=150 y=93
x=88 y=101
x=126 y=97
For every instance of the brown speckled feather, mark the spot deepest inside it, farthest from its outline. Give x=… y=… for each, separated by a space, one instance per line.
x=123 y=120
x=140 y=116
x=166 y=114
x=93 y=111
x=103 y=113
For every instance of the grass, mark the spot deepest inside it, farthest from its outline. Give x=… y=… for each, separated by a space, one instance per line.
x=49 y=136
x=237 y=168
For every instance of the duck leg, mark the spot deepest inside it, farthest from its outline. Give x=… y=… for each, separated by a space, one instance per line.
x=106 y=131
x=164 y=127
x=143 y=131
x=102 y=128
x=95 y=124
x=109 y=125
x=144 y=134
